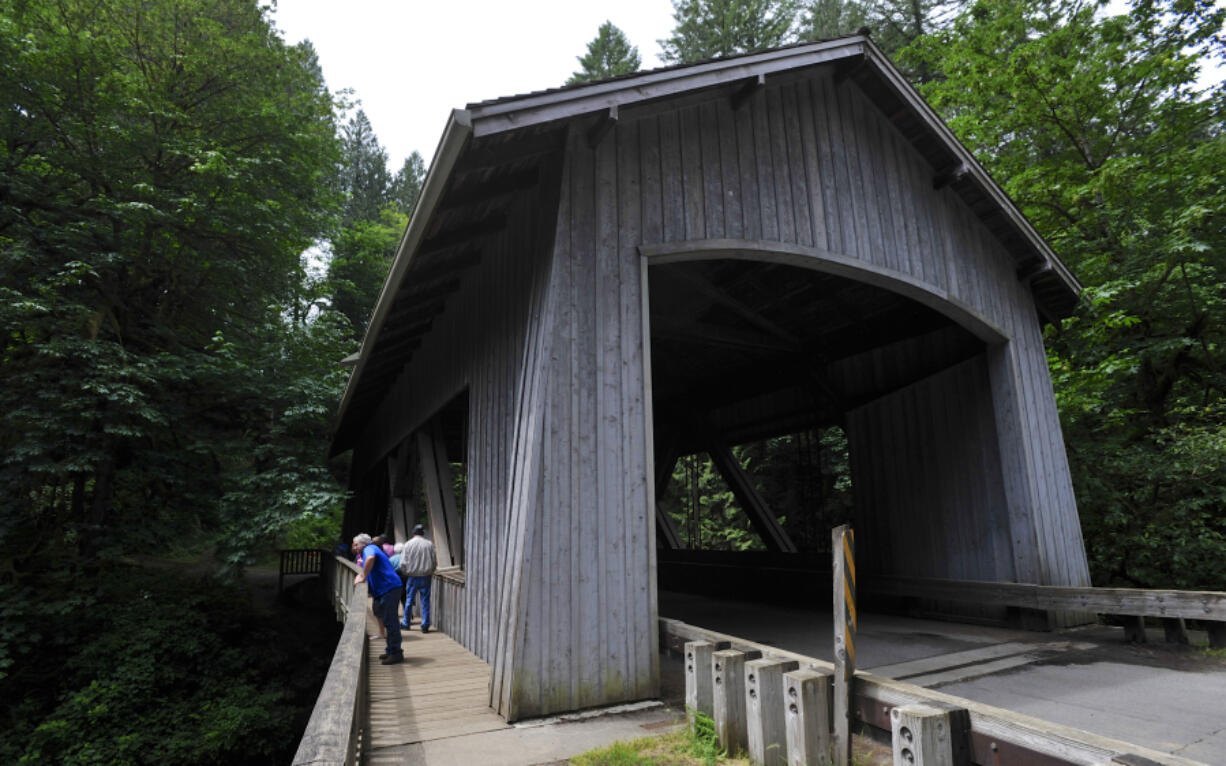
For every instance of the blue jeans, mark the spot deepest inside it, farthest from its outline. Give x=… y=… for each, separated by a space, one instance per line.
x=417 y=585
x=387 y=611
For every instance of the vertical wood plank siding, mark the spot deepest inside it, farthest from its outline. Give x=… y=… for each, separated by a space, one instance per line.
x=477 y=343
x=961 y=475
x=812 y=162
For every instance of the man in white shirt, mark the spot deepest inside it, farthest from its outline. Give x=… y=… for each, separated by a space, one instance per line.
x=417 y=563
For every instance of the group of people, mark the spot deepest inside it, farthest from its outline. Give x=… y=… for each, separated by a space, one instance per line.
x=395 y=575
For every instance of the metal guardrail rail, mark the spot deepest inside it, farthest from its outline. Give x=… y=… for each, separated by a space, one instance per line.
x=338 y=731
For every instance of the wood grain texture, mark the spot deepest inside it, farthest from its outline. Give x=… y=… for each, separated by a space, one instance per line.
x=960 y=475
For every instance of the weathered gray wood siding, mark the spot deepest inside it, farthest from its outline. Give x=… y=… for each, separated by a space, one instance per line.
x=560 y=593
x=478 y=343
x=930 y=499
x=580 y=628
x=811 y=162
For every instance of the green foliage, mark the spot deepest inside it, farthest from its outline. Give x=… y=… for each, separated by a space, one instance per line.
x=703 y=740
x=364 y=178
x=1095 y=126
x=705 y=29
x=608 y=55
x=362 y=254
x=147 y=667
x=407 y=183
x=804 y=478
x=164 y=164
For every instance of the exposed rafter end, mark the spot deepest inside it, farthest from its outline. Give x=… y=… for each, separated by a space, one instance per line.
x=1032 y=270
x=604 y=124
x=950 y=175
x=746 y=89
x=849 y=67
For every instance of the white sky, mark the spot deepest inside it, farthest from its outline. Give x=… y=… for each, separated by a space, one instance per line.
x=411 y=62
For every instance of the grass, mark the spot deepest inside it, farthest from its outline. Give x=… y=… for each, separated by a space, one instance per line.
x=699 y=748
x=678 y=748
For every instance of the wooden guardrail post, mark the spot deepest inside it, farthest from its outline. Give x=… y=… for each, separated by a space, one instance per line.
x=699 y=697
x=921 y=736
x=1176 y=630
x=1217 y=635
x=843 y=548
x=764 y=710
x=728 y=684
x=806 y=693
x=1134 y=629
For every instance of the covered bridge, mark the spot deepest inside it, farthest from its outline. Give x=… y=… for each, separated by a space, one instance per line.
x=601 y=277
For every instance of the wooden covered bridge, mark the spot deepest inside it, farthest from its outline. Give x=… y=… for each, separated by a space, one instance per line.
x=600 y=278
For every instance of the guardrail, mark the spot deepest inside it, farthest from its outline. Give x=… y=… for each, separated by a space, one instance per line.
x=982 y=734
x=1172 y=606
x=299 y=561
x=338 y=732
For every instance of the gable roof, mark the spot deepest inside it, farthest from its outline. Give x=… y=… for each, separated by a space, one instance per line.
x=493 y=150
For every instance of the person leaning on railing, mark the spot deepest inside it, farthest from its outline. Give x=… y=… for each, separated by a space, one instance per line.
x=384 y=583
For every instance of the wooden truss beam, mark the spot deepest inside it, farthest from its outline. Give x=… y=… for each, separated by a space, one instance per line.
x=666 y=460
x=759 y=513
x=440 y=497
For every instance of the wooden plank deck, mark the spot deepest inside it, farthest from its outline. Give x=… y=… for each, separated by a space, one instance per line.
x=440 y=690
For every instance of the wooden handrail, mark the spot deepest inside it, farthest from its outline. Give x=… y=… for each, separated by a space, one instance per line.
x=338 y=731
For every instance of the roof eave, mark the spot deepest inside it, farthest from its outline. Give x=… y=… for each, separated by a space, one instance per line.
x=455 y=137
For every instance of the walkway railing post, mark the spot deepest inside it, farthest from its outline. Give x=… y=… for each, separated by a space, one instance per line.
x=699 y=697
x=843 y=548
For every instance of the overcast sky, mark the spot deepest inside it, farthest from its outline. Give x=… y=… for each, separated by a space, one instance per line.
x=411 y=62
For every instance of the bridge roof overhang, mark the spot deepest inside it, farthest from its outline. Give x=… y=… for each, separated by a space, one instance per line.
x=492 y=151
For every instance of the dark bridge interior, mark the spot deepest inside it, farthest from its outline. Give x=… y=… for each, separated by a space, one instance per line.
x=743 y=351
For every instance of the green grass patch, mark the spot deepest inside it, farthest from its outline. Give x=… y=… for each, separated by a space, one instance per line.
x=678 y=748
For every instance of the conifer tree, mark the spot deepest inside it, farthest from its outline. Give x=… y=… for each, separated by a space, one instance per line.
x=706 y=29
x=609 y=55
x=363 y=172
x=406 y=184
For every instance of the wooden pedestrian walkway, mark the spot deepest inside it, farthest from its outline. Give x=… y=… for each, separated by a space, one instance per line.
x=440 y=690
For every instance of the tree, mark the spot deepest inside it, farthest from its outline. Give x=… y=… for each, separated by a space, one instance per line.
x=609 y=55
x=705 y=29
x=823 y=19
x=365 y=181
x=893 y=24
x=1097 y=128
x=164 y=165
x=406 y=184
x=361 y=257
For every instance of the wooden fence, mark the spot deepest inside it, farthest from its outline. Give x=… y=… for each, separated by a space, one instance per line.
x=338 y=731
x=299 y=561
x=722 y=671
x=1173 y=607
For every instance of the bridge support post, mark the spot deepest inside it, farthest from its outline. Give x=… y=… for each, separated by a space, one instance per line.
x=807 y=697
x=764 y=703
